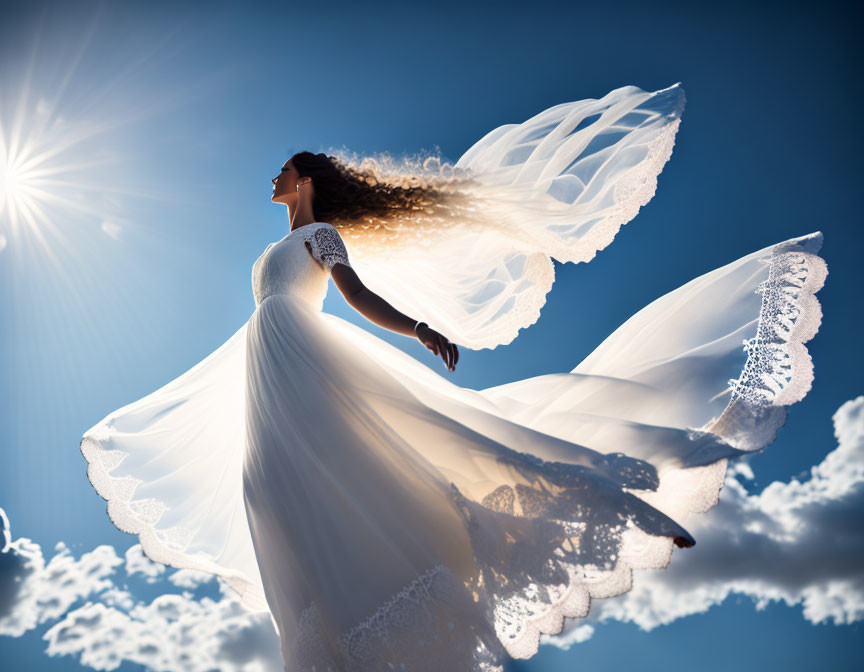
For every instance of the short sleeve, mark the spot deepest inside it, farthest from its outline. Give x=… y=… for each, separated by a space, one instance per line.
x=327 y=247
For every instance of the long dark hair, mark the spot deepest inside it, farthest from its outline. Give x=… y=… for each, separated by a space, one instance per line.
x=366 y=197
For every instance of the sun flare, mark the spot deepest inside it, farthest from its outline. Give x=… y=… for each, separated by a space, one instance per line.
x=46 y=176
x=19 y=185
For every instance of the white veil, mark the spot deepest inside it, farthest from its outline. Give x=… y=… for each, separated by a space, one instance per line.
x=559 y=185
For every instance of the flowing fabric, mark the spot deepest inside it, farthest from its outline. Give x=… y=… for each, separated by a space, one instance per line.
x=559 y=185
x=384 y=515
x=389 y=519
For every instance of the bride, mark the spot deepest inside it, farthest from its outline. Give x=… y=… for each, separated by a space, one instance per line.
x=389 y=519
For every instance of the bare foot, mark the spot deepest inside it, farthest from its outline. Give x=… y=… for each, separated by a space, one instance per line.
x=681 y=542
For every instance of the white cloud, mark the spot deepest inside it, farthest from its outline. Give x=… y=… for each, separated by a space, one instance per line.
x=115 y=597
x=32 y=592
x=138 y=563
x=800 y=542
x=171 y=632
x=5 y=532
x=190 y=578
x=577 y=635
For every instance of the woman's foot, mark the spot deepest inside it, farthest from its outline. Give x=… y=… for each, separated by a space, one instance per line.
x=682 y=542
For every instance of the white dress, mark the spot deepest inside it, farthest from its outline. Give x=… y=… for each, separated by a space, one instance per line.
x=389 y=519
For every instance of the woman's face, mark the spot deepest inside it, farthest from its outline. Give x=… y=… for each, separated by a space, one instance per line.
x=285 y=185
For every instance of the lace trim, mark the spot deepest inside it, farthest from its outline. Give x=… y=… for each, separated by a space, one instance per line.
x=632 y=192
x=539 y=276
x=778 y=372
x=426 y=626
x=768 y=377
x=140 y=517
x=327 y=246
x=551 y=580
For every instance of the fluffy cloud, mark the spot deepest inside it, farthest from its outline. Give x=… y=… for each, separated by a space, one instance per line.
x=172 y=632
x=800 y=542
x=138 y=563
x=190 y=578
x=32 y=592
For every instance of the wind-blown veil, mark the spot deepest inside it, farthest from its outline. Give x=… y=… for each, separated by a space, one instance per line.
x=559 y=185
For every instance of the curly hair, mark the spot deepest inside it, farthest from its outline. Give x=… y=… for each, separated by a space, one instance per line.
x=379 y=200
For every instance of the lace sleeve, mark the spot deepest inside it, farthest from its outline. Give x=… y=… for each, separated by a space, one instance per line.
x=327 y=247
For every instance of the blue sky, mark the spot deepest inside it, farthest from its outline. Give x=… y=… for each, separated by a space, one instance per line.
x=184 y=113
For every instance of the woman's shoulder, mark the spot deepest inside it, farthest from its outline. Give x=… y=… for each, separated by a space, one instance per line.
x=310 y=228
x=322 y=229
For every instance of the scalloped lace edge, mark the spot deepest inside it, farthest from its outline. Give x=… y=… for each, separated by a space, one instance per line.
x=360 y=647
x=789 y=316
x=633 y=192
x=540 y=274
x=156 y=544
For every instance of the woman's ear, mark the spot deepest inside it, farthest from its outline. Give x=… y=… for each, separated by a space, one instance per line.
x=306 y=188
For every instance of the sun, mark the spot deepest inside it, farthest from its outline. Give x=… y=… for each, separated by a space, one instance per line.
x=56 y=168
x=8 y=179
x=19 y=185
x=74 y=132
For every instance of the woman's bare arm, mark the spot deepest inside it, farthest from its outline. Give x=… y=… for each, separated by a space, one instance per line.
x=377 y=310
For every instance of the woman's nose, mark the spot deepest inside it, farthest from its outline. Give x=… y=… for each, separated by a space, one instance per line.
x=274 y=181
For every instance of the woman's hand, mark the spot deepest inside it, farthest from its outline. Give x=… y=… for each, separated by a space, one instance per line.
x=438 y=344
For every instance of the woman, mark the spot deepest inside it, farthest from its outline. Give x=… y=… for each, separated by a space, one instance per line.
x=388 y=519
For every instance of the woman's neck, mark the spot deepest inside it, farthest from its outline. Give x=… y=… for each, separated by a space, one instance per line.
x=302 y=216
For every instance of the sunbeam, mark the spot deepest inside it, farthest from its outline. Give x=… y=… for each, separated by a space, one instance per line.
x=66 y=137
x=52 y=171
x=81 y=242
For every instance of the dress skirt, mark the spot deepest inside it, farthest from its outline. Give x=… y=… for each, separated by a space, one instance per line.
x=389 y=519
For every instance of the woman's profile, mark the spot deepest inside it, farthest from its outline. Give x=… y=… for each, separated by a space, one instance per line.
x=387 y=518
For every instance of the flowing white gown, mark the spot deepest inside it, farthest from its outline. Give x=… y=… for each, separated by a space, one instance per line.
x=389 y=519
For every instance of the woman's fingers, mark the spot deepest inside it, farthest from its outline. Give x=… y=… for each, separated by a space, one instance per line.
x=447 y=349
x=438 y=350
x=441 y=347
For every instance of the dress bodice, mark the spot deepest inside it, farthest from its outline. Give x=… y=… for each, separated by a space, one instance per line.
x=299 y=264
